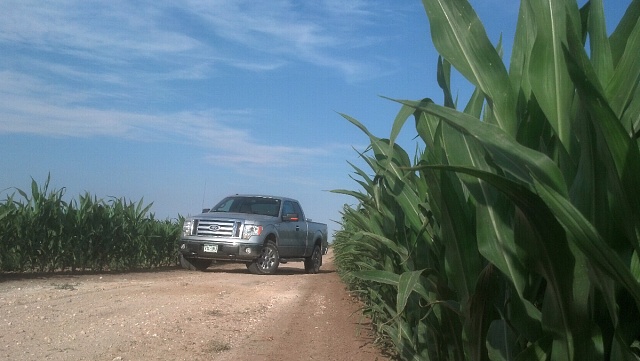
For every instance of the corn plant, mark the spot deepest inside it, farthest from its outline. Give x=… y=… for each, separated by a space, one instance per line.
x=10 y=257
x=524 y=201
x=35 y=227
x=43 y=232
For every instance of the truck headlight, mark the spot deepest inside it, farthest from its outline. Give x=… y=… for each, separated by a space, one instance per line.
x=251 y=230
x=187 y=227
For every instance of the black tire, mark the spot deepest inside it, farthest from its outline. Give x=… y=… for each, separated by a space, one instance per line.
x=312 y=264
x=194 y=264
x=268 y=261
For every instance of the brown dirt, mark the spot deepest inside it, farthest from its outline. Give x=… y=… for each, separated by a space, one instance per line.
x=224 y=313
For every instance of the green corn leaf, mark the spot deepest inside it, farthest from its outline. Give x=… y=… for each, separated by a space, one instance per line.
x=585 y=14
x=141 y=210
x=362 y=173
x=493 y=231
x=547 y=71
x=624 y=82
x=599 y=42
x=444 y=81
x=392 y=158
x=363 y=245
x=404 y=113
x=22 y=193
x=617 y=151
x=429 y=128
x=35 y=191
x=588 y=240
x=513 y=158
x=608 y=290
x=635 y=266
x=395 y=247
x=520 y=54
x=526 y=318
x=365 y=181
x=500 y=341
x=494 y=234
x=4 y=212
x=620 y=350
x=355 y=194
x=475 y=104
x=550 y=251
x=482 y=309
x=365 y=266
x=393 y=279
x=621 y=34
x=631 y=116
x=405 y=336
x=407 y=283
x=463 y=262
x=460 y=38
x=540 y=350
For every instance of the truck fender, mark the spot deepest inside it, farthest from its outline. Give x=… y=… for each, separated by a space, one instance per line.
x=320 y=237
x=270 y=232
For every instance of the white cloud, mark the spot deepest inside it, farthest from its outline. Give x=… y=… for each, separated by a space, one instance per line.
x=228 y=145
x=117 y=42
x=120 y=31
x=77 y=69
x=98 y=27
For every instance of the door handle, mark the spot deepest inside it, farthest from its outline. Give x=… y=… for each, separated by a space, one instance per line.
x=297 y=228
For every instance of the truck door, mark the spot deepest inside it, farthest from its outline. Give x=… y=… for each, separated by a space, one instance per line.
x=292 y=230
x=300 y=246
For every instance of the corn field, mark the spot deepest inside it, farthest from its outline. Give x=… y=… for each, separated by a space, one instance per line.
x=41 y=232
x=514 y=232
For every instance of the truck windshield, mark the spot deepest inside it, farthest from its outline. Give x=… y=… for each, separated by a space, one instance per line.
x=249 y=205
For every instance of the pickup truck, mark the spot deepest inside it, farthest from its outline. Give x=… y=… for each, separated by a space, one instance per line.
x=257 y=230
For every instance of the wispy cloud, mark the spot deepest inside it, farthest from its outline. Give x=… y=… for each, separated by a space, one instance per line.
x=121 y=32
x=141 y=43
x=81 y=69
x=210 y=130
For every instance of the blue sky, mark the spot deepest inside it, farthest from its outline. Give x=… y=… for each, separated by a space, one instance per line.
x=183 y=103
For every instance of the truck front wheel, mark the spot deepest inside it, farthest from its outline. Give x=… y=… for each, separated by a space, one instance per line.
x=268 y=261
x=194 y=264
x=312 y=264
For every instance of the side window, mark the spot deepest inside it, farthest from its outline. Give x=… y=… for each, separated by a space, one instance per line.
x=297 y=210
x=288 y=208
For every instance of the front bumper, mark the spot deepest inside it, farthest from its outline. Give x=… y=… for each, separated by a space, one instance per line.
x=225 y=251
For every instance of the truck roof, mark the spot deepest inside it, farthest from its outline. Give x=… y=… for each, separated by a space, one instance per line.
x=263 y=196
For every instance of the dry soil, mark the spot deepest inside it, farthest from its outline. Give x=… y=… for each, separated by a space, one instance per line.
x=224 y=313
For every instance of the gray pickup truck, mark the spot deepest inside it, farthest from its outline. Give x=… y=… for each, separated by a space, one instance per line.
x=259 y=231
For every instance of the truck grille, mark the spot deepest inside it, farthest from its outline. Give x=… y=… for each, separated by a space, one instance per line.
x=218 y=228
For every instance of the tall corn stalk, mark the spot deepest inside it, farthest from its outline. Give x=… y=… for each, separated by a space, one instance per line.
x=522 y=215
x=42 y=232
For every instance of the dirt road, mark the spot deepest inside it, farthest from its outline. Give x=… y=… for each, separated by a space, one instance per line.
x=224 y=313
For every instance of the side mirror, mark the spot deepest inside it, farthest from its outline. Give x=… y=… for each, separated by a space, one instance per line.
x=291 y=217
x=206 y=210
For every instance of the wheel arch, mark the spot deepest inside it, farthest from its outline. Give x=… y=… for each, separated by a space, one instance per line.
x=318 y=241
x=273 y=237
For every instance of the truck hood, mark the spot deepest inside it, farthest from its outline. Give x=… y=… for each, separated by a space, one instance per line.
x=235 y=216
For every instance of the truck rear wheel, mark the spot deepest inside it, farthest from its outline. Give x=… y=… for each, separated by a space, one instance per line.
x=312 y=264
x=194 y=264
x=268 y=261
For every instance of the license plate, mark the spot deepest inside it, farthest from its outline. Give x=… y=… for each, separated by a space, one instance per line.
x=211 y=248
